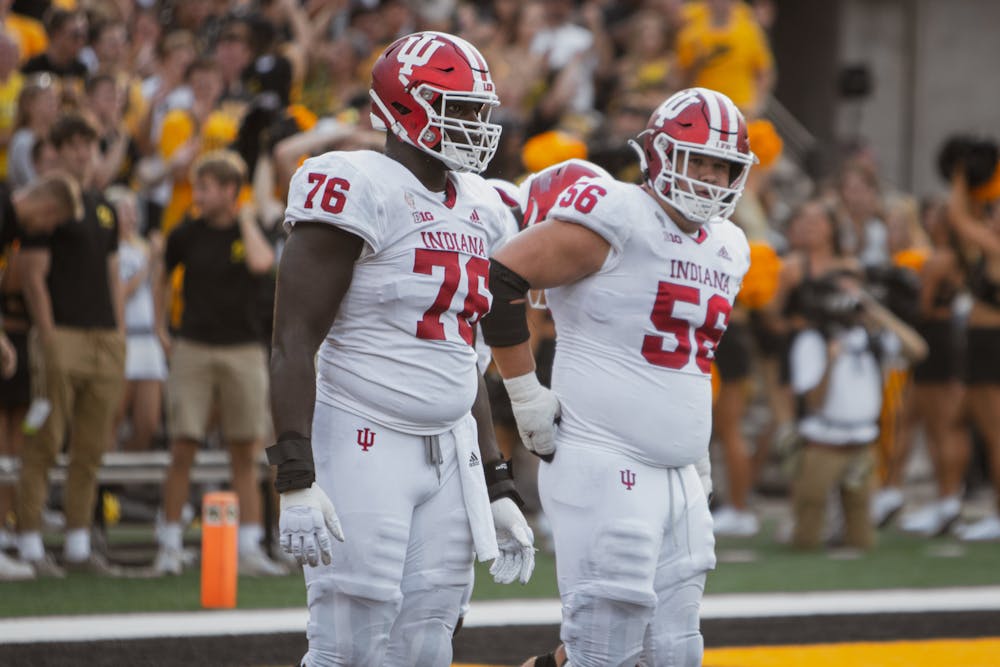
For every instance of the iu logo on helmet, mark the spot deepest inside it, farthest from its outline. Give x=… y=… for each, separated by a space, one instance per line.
x=416 y=52
x=628 y=479
x=673 y=107
x=366 y=438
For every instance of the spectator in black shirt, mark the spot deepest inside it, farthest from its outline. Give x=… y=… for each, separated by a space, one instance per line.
x=74 y=295
x=218 y=354
x=105 y=99
x=67 y=32
x=38 y=207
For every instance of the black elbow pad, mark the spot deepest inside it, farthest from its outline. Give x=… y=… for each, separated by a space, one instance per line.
x=506 y=324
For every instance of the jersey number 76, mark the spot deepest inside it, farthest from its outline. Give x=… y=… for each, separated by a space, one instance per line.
x=430 y=327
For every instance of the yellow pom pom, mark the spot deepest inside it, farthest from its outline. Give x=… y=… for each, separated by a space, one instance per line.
x=911 y=258
x=305 y=119
x=765 y=141
x=716 y=383
x=549 y=148
x=760 y=284
x=112 y=508
x=219 y=131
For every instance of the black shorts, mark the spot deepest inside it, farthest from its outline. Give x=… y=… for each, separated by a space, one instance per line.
x=15 y=392
x=734 y=353
x=945 y=352
x=770 y=344
x=982 y=354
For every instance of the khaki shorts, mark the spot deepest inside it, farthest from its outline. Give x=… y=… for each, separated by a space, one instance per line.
x=233 y=376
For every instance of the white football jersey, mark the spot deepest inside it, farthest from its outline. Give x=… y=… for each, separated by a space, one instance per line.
x=400 y=352
x=636 y=340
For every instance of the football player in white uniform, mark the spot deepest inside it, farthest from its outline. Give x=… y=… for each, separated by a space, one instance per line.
x=640 y=281
x=385 y=274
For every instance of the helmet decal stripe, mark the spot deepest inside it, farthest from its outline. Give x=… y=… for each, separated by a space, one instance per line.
x=734 y=122
x=714 y=117
x=480 y=71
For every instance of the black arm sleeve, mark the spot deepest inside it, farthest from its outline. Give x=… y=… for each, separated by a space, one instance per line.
x=500 y=481
x=293 y=456
x=506 y=324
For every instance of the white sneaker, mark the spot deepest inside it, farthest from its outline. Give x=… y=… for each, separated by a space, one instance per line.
x=14 y=570
x=168 y=561
x=885 y=504
x=8 y=540
x=984 y=530
x=731 y=522
x=933 y=519
x=255 y=563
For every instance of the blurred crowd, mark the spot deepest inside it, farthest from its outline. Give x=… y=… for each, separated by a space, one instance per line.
x=160 y=116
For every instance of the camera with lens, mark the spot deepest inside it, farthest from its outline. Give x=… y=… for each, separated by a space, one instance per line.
x=827 y=305
x=897 y=288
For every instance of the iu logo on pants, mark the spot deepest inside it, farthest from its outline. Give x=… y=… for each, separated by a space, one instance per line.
x=628 y=479
x=366 y=438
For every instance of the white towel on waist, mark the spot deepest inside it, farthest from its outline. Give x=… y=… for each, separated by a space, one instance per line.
x=477 y=500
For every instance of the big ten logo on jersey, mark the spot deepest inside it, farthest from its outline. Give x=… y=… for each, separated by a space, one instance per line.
x=668 y=235
x=416 y=52
x=418 y=216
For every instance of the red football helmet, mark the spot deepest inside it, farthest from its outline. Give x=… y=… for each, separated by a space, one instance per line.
x=540 y=191
x=705 y=122
x=413 y=82
x=510 y=195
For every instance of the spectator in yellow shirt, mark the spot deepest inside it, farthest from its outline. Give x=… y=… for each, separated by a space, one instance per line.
x=189 y=132
x=11 y=82
x=27 y=33
x=722 y=47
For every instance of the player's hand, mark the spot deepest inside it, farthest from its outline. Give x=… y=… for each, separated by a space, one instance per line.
x=515 y=541
x=536 y=410
x=704 y=468
x=306 y=523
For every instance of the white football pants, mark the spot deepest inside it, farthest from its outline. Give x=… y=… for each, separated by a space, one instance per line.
x=633 y=545
x=393 y=593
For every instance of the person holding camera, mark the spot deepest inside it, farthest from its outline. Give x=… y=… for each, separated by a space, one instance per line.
x=836 y=365
x=974 y=215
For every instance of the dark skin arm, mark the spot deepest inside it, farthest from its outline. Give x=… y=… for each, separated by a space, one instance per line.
x=488 y=449
x=313 y=276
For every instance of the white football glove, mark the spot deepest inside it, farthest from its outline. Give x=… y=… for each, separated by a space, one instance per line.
x=704 y=468
x=515 y=541
x=536 y=410
x=306 y=523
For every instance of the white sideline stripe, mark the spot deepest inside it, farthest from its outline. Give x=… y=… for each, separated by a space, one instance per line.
x=487 y=614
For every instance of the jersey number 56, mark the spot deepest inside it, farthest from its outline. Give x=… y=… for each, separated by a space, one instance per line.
x=706 y=336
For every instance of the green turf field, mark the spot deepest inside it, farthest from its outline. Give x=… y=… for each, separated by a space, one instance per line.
x=898 y=562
